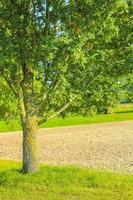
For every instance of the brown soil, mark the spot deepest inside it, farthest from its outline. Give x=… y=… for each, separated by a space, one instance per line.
x=104 y=146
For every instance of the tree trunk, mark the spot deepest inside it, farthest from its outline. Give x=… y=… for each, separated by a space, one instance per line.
x=29 y=123
x=30 y=147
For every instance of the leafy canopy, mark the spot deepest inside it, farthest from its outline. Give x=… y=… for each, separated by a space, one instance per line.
x=69 y=47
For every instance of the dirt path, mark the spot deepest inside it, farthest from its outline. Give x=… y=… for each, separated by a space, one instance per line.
x=108 y=145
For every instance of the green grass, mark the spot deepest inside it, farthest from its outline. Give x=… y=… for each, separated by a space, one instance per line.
x=124 y=108
x=121 y=113
x=63 y=183
x=79 y=120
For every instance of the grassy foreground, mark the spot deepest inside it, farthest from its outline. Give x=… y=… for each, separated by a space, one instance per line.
x=121 y=113
x=63 y=183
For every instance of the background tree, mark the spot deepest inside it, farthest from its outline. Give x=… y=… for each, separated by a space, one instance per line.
x=53 y=52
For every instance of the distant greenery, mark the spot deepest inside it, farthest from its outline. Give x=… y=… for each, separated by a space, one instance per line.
x=127 y=88
x=121 y=113
x=63 y=183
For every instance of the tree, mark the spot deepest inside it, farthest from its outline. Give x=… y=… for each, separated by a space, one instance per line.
x=54 y=51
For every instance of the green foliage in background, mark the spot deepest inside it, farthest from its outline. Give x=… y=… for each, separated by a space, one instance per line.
x=126 y=88
x=122 y=112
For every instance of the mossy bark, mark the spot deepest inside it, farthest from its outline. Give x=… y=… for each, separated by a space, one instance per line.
x=30 y=147
x=29 y=124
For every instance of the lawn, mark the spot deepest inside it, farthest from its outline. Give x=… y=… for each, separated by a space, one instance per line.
x=121 y=113
x=63 y=183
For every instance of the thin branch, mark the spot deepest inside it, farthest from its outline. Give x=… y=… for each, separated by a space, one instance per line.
x=47 y=18
x=58 y=112
x=54 y=85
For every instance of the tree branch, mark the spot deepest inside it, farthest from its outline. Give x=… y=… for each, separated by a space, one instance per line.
x=58 y=112
x=47 y=18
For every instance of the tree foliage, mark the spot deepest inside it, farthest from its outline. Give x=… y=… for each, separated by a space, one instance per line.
x=8 y=104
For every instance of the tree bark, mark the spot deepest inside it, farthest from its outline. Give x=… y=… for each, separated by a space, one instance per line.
x=30 y=147
x=29 y=123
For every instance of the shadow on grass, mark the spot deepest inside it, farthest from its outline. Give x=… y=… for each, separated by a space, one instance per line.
x=119 y=112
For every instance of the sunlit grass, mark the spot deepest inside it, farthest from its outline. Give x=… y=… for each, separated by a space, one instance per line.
x=79 y=120
x=63 y=183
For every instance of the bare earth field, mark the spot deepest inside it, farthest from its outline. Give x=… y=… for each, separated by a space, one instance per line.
x=103 y=146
